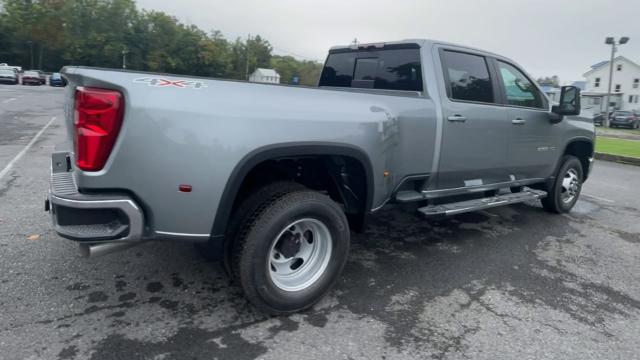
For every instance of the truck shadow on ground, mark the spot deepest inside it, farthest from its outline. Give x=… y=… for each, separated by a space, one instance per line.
x=397 y=267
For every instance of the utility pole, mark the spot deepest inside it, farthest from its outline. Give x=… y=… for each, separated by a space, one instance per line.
x=246 y=69
x=124 y=57
x=611 y=41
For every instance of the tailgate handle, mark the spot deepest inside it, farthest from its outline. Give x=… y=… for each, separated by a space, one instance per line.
x=457 y=118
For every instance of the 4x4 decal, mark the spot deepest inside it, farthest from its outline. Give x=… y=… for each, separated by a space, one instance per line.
x=160 y=82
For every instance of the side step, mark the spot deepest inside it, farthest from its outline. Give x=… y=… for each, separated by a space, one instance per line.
x=481 y=204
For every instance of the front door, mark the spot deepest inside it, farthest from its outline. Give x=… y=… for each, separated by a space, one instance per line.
x=532 y=149
x=475 y=130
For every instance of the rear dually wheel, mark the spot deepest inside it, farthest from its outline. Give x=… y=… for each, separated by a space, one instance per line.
x=290 y=251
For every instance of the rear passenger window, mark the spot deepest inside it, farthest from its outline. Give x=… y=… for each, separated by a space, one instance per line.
x=467 y=77
x=394 y=69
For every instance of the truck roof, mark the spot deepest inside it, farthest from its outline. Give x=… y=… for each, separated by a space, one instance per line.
x=419 y=42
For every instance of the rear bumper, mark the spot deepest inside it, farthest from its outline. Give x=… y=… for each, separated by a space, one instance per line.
x=90 y=218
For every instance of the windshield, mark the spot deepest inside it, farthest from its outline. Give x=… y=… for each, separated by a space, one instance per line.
x=55 y=76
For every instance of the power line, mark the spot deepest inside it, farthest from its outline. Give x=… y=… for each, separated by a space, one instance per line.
x=296 y=55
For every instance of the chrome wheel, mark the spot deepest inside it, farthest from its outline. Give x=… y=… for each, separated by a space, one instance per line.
x=570 y=186
x=299 y=254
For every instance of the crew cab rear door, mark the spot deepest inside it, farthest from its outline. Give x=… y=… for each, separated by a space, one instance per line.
x=475 y=127
x=532 y=148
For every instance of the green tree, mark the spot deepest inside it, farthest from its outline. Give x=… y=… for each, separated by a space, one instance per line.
x=55 y=33
x=549 y=81
x=288 y=67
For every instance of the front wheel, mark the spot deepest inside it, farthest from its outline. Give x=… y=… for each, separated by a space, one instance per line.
x=564 y=193
x=290 y=252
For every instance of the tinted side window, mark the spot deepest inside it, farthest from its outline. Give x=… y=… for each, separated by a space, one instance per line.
x=519 y=89
x=468 y=77
x=397 y=69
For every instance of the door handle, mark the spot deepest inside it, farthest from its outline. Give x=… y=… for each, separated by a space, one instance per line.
x=457 y=118
x=518 y=121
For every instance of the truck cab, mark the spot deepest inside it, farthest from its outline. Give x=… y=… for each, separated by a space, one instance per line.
x=490 y=125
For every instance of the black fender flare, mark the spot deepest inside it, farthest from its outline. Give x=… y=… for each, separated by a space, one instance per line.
x=551 y=179
x=292 y=149
x=573 y=140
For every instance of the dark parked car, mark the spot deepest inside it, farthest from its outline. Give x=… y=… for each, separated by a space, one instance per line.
x=31 y=77
x=57 y=80
x=9 y=76
x=598 y=119
x=624 y=118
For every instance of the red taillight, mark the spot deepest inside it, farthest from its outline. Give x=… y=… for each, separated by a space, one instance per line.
x=97 y=120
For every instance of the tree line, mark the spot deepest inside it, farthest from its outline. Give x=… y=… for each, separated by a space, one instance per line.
x=49 y=34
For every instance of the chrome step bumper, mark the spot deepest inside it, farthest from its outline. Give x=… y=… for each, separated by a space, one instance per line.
x=107 y=221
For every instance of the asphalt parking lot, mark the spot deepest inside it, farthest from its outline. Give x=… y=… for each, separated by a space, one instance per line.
x=510 y=283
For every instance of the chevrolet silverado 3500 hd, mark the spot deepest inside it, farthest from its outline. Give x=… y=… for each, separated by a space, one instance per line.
x=271 y=179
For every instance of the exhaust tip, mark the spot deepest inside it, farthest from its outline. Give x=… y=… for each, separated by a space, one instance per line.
x=85 y=250
x=94 y=250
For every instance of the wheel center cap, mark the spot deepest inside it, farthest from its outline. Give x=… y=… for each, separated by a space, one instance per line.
x=289 y=244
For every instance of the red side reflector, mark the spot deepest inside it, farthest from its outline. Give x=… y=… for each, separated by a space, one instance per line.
x=184 y=188
x=97 y=121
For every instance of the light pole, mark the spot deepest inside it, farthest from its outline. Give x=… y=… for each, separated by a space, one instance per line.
x=246 y=68
x=124 y=58
x=614 y=46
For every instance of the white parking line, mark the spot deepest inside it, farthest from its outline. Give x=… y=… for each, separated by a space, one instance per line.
x=7 y=168
x=599 y=198
x=8 y=100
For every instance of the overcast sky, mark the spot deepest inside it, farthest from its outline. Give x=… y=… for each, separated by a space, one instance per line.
x=547 y=37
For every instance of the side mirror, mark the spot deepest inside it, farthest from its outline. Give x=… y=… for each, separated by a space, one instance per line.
x=569 y=101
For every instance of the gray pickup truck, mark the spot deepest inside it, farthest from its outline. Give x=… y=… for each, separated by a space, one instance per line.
x=271 y=179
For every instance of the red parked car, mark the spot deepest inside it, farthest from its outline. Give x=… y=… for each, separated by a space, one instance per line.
x=31 y=78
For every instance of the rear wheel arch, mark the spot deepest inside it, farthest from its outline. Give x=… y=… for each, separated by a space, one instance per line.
x=250 y=163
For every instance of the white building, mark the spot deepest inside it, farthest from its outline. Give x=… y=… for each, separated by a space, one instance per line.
x=265 y=76
x=625 y=87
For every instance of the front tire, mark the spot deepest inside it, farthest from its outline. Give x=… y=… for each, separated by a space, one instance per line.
x=289 y=253
x=564 y=192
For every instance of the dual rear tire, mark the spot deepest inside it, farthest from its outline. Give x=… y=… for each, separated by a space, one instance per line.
x=290 y=246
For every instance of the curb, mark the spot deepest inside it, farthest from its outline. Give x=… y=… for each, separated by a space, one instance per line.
x=618 y=158
x=621 y=136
